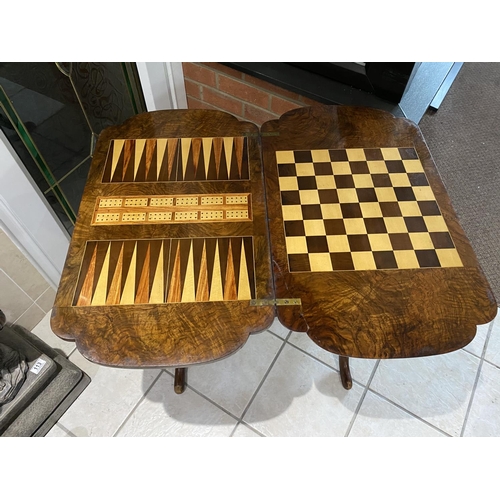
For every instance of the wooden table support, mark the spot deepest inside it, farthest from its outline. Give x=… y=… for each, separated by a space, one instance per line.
x=180 y=380
x=345 y=372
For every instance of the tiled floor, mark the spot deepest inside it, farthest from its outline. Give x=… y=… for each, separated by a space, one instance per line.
x=281 y=384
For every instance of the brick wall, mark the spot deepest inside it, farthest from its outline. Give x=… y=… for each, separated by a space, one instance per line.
x=215 y=86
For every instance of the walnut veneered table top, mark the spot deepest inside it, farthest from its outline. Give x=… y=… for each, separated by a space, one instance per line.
x=170 y=245
x=192 y=224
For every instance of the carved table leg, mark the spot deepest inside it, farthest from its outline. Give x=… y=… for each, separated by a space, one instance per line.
x=345 y=372
x=180 y=380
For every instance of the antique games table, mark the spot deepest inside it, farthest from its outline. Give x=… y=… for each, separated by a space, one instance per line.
x=196 y=230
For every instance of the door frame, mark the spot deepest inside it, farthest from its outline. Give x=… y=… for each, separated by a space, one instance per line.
x=162 y=85
x=27 y=217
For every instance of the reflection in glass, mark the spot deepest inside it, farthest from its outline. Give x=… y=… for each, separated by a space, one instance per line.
x=52 y=114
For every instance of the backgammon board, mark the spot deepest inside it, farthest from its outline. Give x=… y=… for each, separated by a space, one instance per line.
x=171 y=243
x=196 y=230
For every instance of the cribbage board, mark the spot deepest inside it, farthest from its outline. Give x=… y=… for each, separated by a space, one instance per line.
x=359 y=209
x=196 y=229
x=126 y=210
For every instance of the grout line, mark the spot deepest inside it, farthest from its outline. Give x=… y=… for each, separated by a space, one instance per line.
x=487 y=340
x=249 y=427
x=273 y=362
x=12 y=279
x=38 y=298
x=225 y=410
x=277 y=336
x=141 y=399
x=361 y=399
x=491 y=364
x=483 y=352
x=359 y=382
x=476 y=381
x=65 y=429
x=315 y=358
x=31 y=300
x=72 y=351
x=20 y=317
x=206 y=398
x=471 y=353
x=34 y=304
x=50 y=308
x=385 y=398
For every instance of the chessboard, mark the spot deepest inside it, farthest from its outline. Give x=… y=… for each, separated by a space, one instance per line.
x=177 y=159
x=129 y=272
x=361 y=209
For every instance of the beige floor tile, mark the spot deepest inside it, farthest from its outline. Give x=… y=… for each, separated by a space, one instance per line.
x=302 y=397
x=493 y=350
x=484 y=415
x=436 y=388
x=20 y=269
x=361 y=369
x=477 y=345
x=107 y=400
x=43 y=331
x=164 y=413
x=46 y=300
x=279 y=329
x=244 y=431
x=232 y=381
x=13 y=301
x=379 y=418
x=31 y=317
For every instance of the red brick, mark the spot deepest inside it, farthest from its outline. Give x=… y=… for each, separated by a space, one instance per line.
x=196 y=104
x=280 y=106
x=258 y=115
x=193 y=89
x=198 y=73
x=222 y=101
x=244 y=92
x=225 y=69
x=271 y=88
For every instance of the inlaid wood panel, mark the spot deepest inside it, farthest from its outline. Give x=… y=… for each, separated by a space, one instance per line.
x=363 y=232
x=172 y=209
x=170 y=245
x=148 y=283
x=164 y=271
x=360 y=209
x=177 y=159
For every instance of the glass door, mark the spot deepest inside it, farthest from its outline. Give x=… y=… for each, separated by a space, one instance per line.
x=52 y=114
